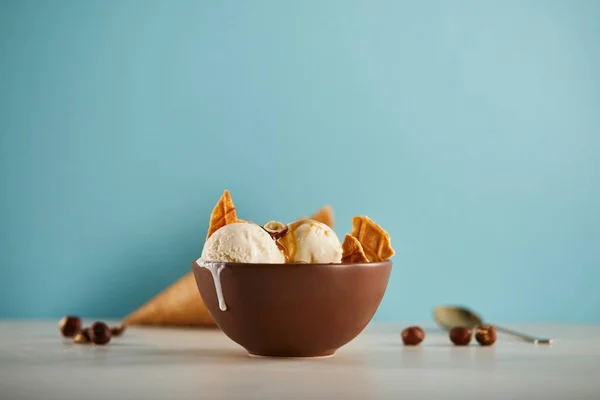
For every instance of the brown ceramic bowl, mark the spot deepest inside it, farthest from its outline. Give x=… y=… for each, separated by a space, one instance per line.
x=294 y=310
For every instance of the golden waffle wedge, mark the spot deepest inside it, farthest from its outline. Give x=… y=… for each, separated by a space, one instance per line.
x=352 y=250
x=325 y=216
x=375 y=241
x=222 y=214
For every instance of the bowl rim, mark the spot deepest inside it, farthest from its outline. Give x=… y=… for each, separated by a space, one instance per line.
x=235 y=265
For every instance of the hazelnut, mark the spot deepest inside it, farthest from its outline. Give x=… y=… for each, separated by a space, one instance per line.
x=83 y=337
x=118 y=330
x=69 y=325
x=485 y=335
x=413 y=335
x=99 y=333
x=460 y=336
x=275 y=229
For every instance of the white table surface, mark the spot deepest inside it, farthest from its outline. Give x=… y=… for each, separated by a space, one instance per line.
x=36 y=363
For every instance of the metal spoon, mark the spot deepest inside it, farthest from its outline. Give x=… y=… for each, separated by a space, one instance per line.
x=449 y=317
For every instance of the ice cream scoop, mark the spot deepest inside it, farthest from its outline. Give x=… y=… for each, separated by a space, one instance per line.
x=309 y=241
x=243 y=243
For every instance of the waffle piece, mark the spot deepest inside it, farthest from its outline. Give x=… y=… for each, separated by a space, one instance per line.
x=325 y=216
x=352 y=250
x=223 y=214
x=375 y=241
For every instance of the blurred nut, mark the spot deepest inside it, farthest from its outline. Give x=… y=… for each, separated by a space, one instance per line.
x=460 y=336
x=275 y=229
x=69 y=325
x=83 y=337
x=485 y=335
x=413 y=335
x=99 y=333
x=118 y=330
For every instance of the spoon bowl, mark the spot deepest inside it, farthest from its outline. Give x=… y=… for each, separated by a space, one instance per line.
x=449 y=317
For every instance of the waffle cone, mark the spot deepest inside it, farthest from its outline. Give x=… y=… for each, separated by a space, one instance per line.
x=178 y=305
x=375 y=241
x=352 y=250
x=222 y=214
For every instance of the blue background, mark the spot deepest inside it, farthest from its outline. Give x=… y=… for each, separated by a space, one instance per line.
x=468 y=129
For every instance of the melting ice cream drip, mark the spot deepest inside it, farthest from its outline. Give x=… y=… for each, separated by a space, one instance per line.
x=215 y=269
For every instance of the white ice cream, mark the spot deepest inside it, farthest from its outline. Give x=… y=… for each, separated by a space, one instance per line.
x=310 y=241
x=243 y=243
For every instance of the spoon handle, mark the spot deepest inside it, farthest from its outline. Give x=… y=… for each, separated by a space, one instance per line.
x=523 y=336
